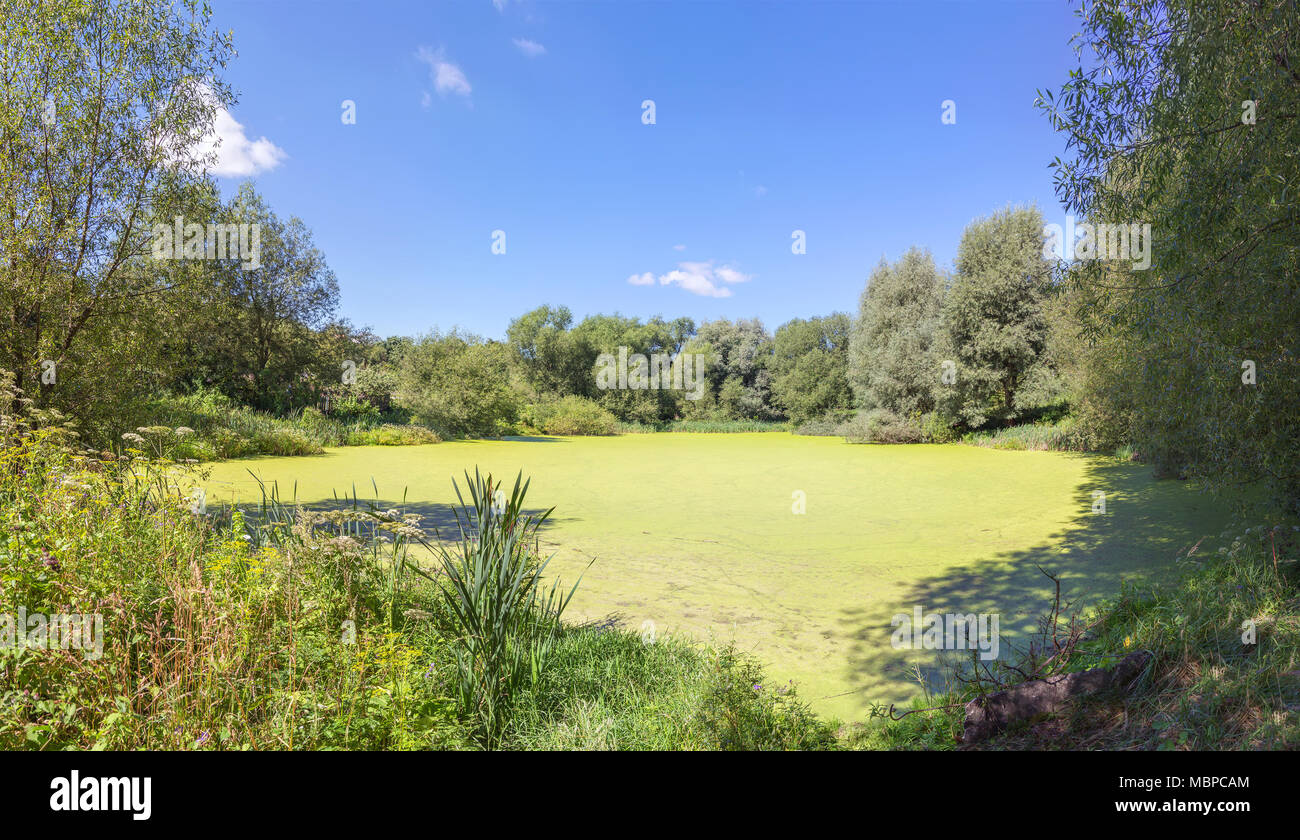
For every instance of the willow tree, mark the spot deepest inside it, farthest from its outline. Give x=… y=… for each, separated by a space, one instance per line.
x=1185 y=114
x=102 y=107
x=891 y=356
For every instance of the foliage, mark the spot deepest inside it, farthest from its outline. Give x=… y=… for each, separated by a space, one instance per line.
x=994 y=326
x=1065 y=435
x=217 y=427
x=880 y=425
x=100 y=104
x=738 y=371
x=571 y=415
x=503 y=622
x=1159 y=133
x=213 y=634
x=809 y=367
x=459 y=384
x=612 y=689
x=554 y=359
x=892 y=364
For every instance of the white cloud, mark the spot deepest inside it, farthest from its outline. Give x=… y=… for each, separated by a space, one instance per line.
x=698 y=278
x=760 y=191
x=679 y=247
x=446 y=76
x=500 y=4
x=237 y=156
x=532 y=49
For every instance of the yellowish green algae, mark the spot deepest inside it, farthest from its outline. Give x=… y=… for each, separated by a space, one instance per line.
x=697 y=534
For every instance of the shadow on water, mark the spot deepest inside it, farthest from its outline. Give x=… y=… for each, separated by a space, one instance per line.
x=1146 y=526
x=437 y=519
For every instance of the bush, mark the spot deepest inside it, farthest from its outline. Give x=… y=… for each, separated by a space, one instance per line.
x=741 y=713
x=572 y=415
x=881 y=425
x=459 y=384
x=391 y=434
x=222 y=429
x=937 y=427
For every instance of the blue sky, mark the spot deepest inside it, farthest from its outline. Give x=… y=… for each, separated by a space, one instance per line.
x=526 y=117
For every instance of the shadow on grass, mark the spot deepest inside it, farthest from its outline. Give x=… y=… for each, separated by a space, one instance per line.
x=1146 y=526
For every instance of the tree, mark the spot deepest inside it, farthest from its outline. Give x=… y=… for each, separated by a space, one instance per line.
x=892 y=364
x=739 y=354
x=1187 y=118
x=554 y=360
x=101 y=104
x=810 y=367
x=606 y=334
x=459 y=384
x=994 y=327
x=261 y=330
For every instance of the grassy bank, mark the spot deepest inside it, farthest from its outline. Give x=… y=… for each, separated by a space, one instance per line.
x=217 y=428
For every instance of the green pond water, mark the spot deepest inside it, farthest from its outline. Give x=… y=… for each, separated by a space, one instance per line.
x=698 y=534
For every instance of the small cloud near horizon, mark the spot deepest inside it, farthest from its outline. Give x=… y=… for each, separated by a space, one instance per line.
x=698 y=278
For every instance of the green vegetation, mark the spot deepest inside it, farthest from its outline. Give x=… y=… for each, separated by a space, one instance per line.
x=1225 y=645
x=219 y=428
x=1163 y=364
x=893 y=367
x=571 y=415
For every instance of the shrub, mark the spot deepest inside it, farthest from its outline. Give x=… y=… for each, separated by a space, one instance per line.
x=391 y=434
x=459 y=384
x=937 y=427
x=1067 y=435
x=881 y=425
x=740 y=712
x=573 y=415
x=284 y=442
x=821 y=427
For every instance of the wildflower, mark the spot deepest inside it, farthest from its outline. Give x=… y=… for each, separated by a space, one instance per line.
x=51 y=563
x=1128 y=641
x=203 y=738
x=132 y=437
x=182 y=431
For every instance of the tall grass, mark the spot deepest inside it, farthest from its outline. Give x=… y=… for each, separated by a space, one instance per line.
x=504 y=623
x=611 y=689
x=1064 y=435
